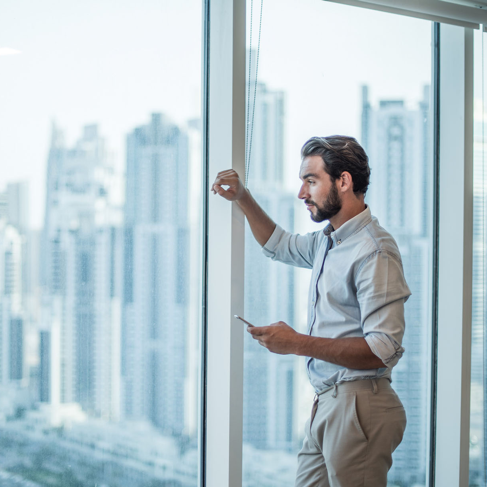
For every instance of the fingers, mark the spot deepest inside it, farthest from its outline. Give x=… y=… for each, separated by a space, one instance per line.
x=230 y=181
x=217 y=189
x=229 y=194
x=257 y=331
x=228 y=177
x=229 y=174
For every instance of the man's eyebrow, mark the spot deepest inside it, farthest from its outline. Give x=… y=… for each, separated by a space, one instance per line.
x=310 y=175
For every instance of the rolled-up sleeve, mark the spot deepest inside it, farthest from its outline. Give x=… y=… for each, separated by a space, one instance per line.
x=382 y=291
x=293 y=249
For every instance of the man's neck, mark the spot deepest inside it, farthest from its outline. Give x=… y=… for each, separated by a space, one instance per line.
x=347 y=213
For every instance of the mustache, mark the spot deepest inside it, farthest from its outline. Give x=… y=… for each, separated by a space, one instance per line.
x=309 y=202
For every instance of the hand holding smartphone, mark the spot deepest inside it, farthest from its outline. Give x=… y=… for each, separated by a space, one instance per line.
x=245 y=321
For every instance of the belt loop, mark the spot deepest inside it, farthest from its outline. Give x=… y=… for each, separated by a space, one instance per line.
x=335 y=390
x=374 y=386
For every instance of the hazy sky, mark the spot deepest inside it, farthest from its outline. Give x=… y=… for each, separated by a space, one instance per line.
x=106 y=62
x=114 y=63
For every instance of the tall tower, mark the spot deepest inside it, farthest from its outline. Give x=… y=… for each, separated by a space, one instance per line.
x=18 y=205
x=156 y=271
x=269 y=382
x=11 y=324
x=14 y=215
x=81 y=277
x=400 y=196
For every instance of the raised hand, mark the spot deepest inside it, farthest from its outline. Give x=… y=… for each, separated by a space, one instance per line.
x=235 y=191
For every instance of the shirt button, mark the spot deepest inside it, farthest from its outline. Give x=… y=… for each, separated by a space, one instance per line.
x=339 y=242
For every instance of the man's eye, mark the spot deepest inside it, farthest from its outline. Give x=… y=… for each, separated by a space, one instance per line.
x=310 y=182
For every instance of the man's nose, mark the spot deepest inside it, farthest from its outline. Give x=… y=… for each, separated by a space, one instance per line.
x=302 y=193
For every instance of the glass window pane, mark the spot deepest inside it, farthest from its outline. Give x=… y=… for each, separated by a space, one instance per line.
x=100 y=268
x=322 y=80
x=479 y=309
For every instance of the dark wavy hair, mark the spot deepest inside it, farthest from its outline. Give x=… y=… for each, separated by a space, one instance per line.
x=341 y=153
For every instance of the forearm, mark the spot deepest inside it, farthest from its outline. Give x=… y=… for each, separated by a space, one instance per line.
x=260 y=223
x=353 y=353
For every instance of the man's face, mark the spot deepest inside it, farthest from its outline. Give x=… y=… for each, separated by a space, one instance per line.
x=319 y=193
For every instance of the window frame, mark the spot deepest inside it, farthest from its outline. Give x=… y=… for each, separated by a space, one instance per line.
x=223 y=424
x=443 y=11
x=221 y=412
x=454 y=273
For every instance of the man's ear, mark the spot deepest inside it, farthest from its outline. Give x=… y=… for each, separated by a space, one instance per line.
x=346 y=182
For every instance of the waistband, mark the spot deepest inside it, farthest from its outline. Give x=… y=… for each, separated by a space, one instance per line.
x=374 y=385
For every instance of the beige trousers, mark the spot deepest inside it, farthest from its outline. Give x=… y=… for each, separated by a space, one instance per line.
x=350 y=437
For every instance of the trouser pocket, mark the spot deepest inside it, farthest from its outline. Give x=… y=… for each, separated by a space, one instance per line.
x=357 y=417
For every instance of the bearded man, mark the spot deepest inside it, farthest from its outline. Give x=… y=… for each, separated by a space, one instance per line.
x=355 y=315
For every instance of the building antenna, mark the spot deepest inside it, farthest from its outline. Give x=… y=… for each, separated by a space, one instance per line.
x=249 y=119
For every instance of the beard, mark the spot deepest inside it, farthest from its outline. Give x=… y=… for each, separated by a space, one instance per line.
x=330 y=207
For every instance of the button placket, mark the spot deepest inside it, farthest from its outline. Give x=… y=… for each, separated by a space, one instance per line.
x=329 y=243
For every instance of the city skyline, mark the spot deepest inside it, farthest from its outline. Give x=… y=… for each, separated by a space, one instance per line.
x=109 y=305
x=88 y=222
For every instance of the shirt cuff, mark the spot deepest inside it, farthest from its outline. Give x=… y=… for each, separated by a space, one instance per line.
x=386 y=348
x=269 y=248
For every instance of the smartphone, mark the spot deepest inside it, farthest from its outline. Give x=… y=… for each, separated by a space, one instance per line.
x=245 y=321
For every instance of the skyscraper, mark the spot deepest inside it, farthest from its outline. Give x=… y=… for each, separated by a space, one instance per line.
x=156 y=272
x=18 y=205
x=82 y=283
x=396 y=140
x=23 y=327
x=11 y=325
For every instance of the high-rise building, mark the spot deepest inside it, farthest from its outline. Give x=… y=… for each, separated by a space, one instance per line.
x=269 y=381
x=24 y=328
x=11 y=325
x=45 y=367
x=81 y=276
x=17 y=349
x=4 y=205
x=14 y=209
x=18 y=205
x=22 y=331
x=396 y=139
x=156 y=272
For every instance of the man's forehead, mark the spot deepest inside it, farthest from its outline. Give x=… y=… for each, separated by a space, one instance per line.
x=313 y=165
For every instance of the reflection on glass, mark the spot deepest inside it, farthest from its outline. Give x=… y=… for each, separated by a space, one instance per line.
x=376 y=90
x=100 y=249
x=479 y=309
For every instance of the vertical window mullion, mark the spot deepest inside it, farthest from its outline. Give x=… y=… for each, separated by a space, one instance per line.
x=436 y=214
x=455 y=256
x=226 y=149
x=202 y=425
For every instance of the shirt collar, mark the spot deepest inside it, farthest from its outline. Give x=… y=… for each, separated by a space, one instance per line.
x=349 y=227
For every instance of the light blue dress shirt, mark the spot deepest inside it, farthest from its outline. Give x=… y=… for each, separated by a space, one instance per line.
x=357 y=289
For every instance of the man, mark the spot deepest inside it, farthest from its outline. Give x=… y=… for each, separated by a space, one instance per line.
x=355 y=315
